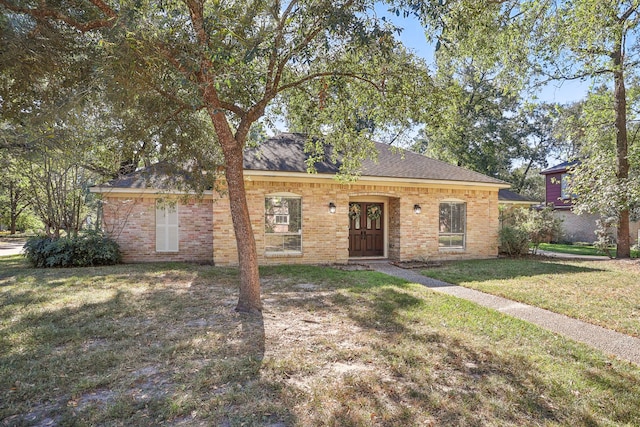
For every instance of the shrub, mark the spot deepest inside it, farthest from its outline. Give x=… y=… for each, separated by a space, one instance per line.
x=514 y=241
x=542 y=226
x=28 y=222
x=524 y=227
x=605 y=235
x=88 y=249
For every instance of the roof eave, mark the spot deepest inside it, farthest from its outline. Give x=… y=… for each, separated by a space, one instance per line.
x=373 y=179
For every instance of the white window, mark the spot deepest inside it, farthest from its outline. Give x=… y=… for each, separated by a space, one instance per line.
x=565 y=182
x=282 y=219
x=283 y=224
x=453 y=218
x=166 y=226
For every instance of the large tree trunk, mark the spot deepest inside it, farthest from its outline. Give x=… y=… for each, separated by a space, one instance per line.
x=13 y=225
x=622 y=171
x=249 y=299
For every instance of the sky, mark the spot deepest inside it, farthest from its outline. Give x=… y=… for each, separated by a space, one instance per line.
x=412 y=37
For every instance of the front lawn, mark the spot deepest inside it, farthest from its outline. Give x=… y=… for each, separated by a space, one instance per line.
x=160 y=344
x=605 y=293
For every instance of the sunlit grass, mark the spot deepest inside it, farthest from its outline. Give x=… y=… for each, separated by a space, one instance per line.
x=606 y=293
x=160 y=344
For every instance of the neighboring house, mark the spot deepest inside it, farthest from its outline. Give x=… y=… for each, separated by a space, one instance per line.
x=557 y=180
x=404 y=206
x=576 y=228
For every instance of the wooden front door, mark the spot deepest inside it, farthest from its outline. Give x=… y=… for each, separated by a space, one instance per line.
x=366 y=229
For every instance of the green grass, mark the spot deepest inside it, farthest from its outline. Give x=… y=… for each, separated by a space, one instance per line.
x=580 y=249
x=605 y=293
x=160 y=344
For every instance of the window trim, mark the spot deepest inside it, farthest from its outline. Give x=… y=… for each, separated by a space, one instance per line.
x=283 y=253
x=167 y=226
x=441 y=234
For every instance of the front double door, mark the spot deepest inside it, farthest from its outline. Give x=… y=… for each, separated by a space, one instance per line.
x=366 y=229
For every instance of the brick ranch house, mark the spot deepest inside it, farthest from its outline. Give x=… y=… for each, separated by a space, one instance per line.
x=576 y=228
x=404 y=206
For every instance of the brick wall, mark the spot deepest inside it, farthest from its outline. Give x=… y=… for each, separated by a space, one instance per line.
x=131 y=221
x=325 y=235
x=206 y=231
x=393 y=225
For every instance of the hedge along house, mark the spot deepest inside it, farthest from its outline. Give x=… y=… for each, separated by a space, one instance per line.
x=404 y=206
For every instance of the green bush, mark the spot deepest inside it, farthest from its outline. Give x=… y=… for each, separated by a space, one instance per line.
x=522 y=228
x=542 y=226
x=514 y=241
x=87 y=249
x=28 y=222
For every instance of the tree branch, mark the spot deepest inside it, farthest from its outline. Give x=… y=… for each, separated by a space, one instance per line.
x=628 y=13
x=593 y=51
x=45 y=13
x=196 y=10
x=308 y=38
x=204 y=75
x=276 y=45
x=283 y=62
x=327 y=74
x=576 y=76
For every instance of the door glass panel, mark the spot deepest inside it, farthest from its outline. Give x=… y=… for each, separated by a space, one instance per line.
x=355 y=213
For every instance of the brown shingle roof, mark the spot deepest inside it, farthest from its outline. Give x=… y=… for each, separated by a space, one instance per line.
x=159 y=176
x=285 y=153
x=505 y=195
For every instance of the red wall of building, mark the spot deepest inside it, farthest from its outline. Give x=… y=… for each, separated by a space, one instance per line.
x=554 y=191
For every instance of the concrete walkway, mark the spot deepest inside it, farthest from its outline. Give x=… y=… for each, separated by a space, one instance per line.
x=623 y=346
x=572 y=256
x=11 y=246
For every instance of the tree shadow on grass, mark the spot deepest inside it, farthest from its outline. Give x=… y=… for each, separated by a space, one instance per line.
x=169 y=349
x=173 y=353
x=458 y=383
x=10 y=265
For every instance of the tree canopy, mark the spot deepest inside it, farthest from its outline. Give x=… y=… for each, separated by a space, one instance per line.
x=529 y=42
x=198 y=76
